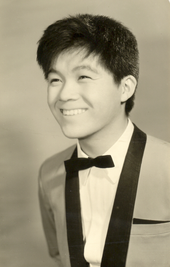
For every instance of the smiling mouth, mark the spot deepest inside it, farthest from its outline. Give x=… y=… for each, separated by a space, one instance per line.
x=72 y=112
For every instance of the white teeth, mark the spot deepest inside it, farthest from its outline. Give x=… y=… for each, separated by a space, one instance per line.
x=72 y=112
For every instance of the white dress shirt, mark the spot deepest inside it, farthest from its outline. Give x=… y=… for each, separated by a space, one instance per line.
x=97 y=194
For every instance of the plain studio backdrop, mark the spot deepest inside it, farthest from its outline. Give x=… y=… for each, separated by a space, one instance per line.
x=29 y=133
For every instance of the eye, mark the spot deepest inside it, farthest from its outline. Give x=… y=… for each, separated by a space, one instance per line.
x=82 y=77
x=54 y=81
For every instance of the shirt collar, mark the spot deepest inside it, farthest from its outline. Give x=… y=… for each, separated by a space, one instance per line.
x=117 y=151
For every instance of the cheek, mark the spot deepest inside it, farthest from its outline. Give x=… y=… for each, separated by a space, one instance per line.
x=52 y=96
x=109 y=106
x=104 y=102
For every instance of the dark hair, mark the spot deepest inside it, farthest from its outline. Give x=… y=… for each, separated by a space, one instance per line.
x=115 y=45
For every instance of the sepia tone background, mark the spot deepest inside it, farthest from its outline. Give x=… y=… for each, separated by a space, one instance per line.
x=29 y=133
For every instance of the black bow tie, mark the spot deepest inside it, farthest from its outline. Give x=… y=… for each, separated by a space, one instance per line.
x=78 y=164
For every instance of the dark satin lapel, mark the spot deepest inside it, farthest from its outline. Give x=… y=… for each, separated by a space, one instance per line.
x=73 y=219
x=117 y=239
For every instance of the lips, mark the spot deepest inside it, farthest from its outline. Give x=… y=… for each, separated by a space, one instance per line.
x=72 y=112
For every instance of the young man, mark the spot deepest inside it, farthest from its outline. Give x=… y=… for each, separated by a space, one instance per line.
x=105 y=201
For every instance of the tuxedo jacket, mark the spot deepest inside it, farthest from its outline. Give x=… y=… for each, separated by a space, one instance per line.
x=149 y=244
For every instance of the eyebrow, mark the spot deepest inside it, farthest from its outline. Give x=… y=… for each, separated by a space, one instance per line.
x=53 y=71
x=81 y=67
x=85 y=67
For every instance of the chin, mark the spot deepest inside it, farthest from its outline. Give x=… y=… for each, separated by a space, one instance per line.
x=73 y=133
x=70 y=134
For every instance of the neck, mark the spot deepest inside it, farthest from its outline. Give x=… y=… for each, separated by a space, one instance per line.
x=98 y=143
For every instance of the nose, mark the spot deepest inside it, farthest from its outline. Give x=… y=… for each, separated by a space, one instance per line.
x=69 y=91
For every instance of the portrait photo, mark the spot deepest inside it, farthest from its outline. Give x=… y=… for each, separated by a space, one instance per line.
x=84 y=139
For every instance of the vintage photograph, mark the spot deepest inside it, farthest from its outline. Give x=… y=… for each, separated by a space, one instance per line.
x=85 y=152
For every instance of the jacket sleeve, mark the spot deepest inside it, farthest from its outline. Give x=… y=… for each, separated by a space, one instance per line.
x=48 y=223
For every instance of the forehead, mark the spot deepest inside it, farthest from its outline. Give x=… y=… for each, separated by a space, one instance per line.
x=75 y=57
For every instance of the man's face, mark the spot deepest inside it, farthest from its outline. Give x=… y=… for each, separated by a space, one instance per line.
x=83 y=96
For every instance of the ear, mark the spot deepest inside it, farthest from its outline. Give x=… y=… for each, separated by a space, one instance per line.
x=128 y=85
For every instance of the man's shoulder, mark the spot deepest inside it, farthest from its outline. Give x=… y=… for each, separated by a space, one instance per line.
x=51 y=166
x=157 y=144
x=158 y=152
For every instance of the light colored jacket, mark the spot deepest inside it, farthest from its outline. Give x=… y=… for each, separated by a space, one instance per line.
x=149 y=244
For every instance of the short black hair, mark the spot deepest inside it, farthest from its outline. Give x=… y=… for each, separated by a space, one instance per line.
x=105 y=37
